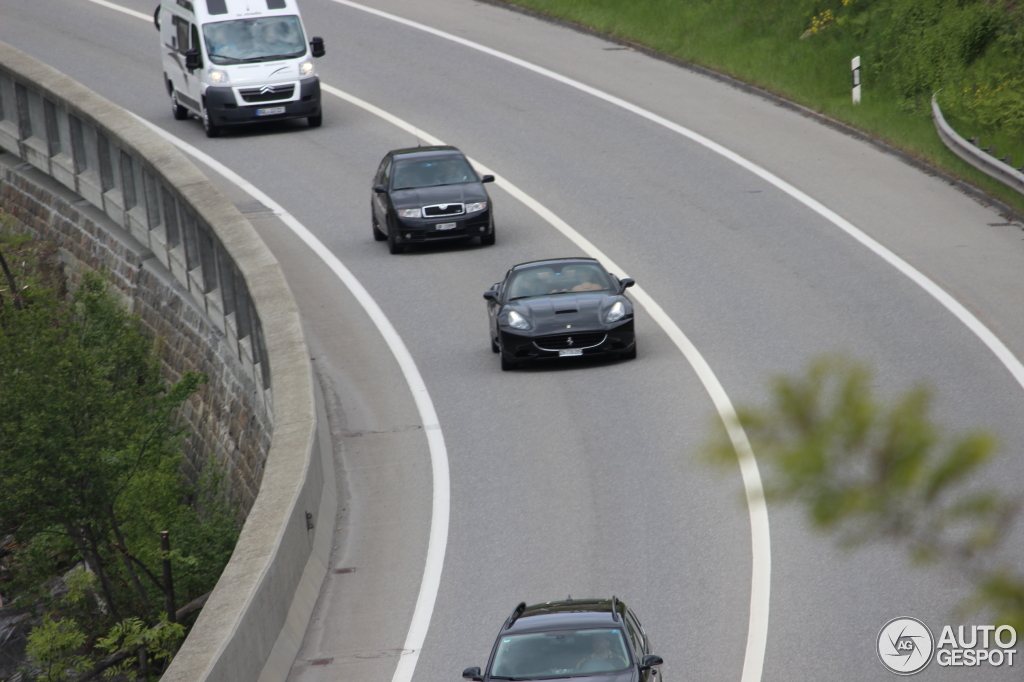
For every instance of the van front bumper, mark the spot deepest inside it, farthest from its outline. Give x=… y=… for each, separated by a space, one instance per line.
x=224 y=109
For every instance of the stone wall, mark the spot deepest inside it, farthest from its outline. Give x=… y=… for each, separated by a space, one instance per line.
x=228 y=428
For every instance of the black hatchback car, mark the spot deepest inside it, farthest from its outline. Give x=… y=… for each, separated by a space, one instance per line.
x=560 y=308
x=599 y=640
x=429 y=194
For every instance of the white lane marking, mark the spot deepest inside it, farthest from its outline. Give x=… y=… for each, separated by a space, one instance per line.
x=440 y=510
x=1015 y=367
x=123 y=10
x=757 y=630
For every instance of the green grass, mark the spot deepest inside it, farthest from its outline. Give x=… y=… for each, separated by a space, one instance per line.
x=759 y=42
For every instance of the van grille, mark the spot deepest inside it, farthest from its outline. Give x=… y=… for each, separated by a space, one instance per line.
x=267 y=93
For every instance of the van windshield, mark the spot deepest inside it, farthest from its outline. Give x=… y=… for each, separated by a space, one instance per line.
x=254 y=40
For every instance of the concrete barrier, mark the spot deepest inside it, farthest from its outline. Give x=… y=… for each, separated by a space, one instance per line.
x=159 y=216
x=986 y=163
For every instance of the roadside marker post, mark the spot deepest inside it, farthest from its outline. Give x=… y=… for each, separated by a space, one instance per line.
x=855 y=68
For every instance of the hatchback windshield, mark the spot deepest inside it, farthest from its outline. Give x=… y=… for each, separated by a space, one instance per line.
x=432 y=172
x=563 y=279
x=563 y=653
x=254 y=40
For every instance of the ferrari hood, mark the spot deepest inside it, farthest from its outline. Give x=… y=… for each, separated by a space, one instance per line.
x=557 y=313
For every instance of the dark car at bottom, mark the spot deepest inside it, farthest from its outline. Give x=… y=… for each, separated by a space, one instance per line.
x=558 y=309
x=597 y=640
x=427 y=195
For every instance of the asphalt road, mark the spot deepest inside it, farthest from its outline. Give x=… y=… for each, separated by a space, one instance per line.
x=586 y=480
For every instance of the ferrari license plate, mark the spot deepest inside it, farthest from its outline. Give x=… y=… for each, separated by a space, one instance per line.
x=570 y=352
x=270 y=111
x=445 y=226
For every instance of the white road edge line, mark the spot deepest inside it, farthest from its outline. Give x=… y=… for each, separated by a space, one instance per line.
x=440 y=511
x=757 y=631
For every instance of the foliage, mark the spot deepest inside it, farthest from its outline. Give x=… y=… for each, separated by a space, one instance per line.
x=91 y=461
x=871 y=472
x=159 y=641
x=55 y=647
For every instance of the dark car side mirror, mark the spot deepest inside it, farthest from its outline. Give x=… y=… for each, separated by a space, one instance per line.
x=627 y=283
x=317 y=46
x=491 y=295
x=487 y=178
x=473 y=674
x=379 y=189
x=193 y=60
x=650 y=661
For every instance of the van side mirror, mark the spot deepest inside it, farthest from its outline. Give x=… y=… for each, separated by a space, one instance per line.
x=487 y=178
x=473 y=674
x=193 y=60
x=650 y=661
x=317 y=45
x=156 y=17
x=627 y=283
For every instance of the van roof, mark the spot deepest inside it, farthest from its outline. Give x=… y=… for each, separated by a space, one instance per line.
x=221 y=10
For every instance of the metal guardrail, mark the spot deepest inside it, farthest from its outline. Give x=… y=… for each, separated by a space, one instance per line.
x=983 y=161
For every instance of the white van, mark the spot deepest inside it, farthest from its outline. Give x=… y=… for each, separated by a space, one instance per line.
x=231 y=62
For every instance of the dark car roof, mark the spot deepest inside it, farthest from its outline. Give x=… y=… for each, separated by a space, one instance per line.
x=570 y=614
x=426 y=151
x=573 y=259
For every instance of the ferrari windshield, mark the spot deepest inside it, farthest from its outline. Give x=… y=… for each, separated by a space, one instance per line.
x=254 y=40
x=562 y=653
x=562 y=278
x=449 y=170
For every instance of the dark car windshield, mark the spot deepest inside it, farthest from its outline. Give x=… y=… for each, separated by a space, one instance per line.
x=254 y=40
x=558 y=279
x=449 y=170
x=562 y=653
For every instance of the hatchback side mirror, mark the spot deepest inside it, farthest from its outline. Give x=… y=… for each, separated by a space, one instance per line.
x=491 y=295
x=627 y=283
x=487 y=178
x=650 y=661
x=317 y=45
x=379 y=189
x=473 y=674
x=193 y=60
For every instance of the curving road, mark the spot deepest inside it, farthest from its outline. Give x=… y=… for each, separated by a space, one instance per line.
x=585 y=480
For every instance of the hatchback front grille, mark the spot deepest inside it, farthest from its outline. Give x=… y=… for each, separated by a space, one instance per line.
x=442 y=210
x=268 y=93
x=564 y=341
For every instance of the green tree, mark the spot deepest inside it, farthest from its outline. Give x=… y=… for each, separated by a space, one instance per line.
x=866 y=471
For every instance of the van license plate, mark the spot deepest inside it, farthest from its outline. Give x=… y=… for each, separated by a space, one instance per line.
x=569 y=352
x=445 y=226
x=270 y=111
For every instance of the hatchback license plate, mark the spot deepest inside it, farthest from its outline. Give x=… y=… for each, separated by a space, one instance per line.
x=270 y=111
x=570 y=352
x=445 y=226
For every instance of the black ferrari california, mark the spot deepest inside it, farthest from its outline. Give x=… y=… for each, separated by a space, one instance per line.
x=429 y=194
x=557 y=309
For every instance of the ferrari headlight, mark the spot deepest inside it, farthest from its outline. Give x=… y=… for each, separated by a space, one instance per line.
x=218 y=76
x=517 y=321
x=476 y=206
x=306 y=69
x=616 y=312
x=410 y=213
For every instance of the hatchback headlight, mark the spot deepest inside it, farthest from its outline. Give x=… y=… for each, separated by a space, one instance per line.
x=218 y=76
x=306 y=69
x=616 y=312
x=517 y=321
x=410 y=213
x=476 y=206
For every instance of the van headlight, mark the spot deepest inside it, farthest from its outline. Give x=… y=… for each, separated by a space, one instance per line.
x=306 y=68
x=218 y=76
